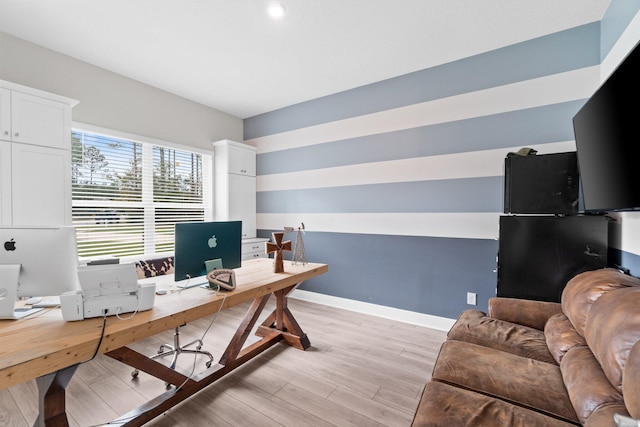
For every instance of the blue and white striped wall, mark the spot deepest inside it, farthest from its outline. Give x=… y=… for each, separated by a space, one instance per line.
x=400 y=183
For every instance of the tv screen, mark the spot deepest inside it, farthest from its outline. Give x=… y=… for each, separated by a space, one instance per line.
x=607 y=133
x=197 y=243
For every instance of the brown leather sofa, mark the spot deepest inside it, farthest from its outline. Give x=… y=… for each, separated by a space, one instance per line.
x=534 y=363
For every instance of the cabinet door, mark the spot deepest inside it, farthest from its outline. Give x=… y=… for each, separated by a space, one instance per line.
x=41 y=185
x=538 y=255
x=242 y=161
x=40 y=121
x=242 y=203
x=5 y=183
x=5 y=114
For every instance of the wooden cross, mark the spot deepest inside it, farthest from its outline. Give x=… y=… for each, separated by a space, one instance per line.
x=277 y=248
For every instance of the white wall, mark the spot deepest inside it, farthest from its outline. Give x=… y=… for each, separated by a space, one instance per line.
x=112 y=101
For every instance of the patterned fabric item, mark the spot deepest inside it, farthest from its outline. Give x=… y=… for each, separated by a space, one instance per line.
x=154 y=267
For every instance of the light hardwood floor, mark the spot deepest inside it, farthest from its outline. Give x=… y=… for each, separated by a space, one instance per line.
x=360 y=371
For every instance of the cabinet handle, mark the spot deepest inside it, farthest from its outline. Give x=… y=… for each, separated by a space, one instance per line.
x=6 y=132
x=17 y=134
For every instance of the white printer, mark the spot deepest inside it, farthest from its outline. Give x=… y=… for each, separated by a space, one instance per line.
x=109 y=289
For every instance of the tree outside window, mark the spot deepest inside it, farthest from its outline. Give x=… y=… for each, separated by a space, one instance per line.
x=128 y=195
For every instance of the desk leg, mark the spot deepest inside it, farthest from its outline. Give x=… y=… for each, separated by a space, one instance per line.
x=282 y=320
x=243 y=331
x=51 y=398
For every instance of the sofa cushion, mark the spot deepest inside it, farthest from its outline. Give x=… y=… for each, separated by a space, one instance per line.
x=586 y=288
x=475 y=327
x=446 y=405
x=604 y=416
x=612 y=329
x=561 y=336
x=631 y=382
x=588 y=388
x=533 y=314
x=529 y=383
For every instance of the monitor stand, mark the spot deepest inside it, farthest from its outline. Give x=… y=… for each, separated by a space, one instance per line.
x=209 y=265
x=9 y=274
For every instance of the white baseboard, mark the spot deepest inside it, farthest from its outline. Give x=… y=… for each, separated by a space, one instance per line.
x=412 y=317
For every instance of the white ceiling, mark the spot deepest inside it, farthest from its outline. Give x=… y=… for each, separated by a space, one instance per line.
x=230 y=55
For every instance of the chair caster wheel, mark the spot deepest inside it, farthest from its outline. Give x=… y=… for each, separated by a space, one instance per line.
x=208 y=364
x=135 y=373
x=161 y=349
x=167 y=385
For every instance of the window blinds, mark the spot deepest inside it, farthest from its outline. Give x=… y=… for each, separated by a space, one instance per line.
x=128 y=195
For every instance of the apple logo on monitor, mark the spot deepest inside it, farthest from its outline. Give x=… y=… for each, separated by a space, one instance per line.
x=10 y=245
x=212 y=242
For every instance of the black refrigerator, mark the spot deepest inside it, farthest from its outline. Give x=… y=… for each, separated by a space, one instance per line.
x=544 y=242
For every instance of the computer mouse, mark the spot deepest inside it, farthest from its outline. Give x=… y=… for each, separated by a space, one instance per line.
x=161 y=291
x=32 y=300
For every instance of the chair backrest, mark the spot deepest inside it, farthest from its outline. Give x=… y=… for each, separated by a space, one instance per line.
x=154 y=267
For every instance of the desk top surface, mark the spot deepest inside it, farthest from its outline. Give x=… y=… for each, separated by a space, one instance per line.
x=44 y=343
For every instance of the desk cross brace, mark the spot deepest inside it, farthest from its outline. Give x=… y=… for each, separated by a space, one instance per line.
x=279 y=325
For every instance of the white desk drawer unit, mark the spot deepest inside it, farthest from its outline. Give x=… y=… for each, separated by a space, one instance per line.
x=254 y=248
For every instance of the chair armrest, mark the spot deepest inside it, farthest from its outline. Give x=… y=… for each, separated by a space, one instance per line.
x=522 y=311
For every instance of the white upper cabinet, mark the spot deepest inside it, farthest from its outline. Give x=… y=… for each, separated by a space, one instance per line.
x=5 y=114
x=40 y=121
x=34 y=117
x=234 y=158
x=35 y=156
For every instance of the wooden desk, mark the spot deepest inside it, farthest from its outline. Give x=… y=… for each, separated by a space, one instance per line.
x=45 y=347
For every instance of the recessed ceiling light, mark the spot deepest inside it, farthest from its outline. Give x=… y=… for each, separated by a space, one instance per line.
x=276 y=10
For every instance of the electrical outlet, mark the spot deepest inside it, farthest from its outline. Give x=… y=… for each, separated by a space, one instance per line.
x=471 y=298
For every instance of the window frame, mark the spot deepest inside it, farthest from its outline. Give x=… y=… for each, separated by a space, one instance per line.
x=147 y=182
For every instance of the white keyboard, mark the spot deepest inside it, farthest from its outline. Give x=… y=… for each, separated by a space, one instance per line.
x=47 y=302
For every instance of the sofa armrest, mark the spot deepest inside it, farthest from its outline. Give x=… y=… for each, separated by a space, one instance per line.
x=522 y=311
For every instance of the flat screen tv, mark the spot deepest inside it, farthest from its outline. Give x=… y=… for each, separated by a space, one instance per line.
x=607 y=133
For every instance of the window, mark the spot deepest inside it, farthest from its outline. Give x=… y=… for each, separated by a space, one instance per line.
x=128 y=194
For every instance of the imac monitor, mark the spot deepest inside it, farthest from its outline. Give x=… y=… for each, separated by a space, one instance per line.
x=200 y=243
x=46 y=258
